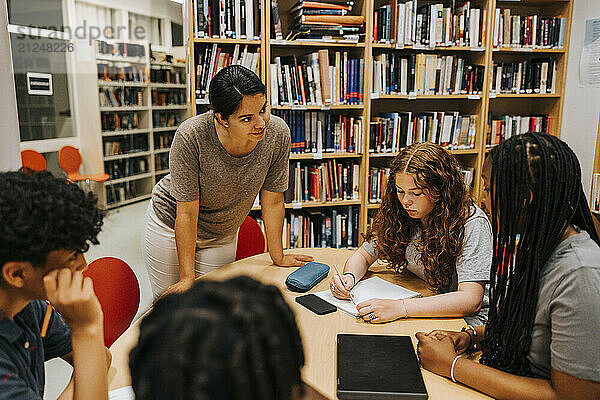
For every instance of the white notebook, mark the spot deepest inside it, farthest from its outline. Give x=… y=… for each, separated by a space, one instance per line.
x=372 y=288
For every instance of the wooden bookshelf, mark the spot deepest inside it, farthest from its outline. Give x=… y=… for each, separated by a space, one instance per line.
x=483 y=105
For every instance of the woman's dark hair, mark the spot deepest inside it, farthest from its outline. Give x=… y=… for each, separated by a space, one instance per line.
x=437 y=172
x=220 y=340
x=229 y=86
x=536 y=192
x=40 y=213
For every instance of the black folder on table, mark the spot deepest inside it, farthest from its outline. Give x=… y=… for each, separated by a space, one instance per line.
x=378 y=367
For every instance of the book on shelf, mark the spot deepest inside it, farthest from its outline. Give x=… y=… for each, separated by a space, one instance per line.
x=390 y=132
x=163 y=140
x=161 y=161
x=166 y=97
x=125 y=167
x=319 y=20
x=125 y=144
x=323 y=132
x=425 y=74
x=329 y=180
x=535 y=76
x=166 y=75
x=120 y=192
x=113 y=73
x=410 y=24
x=121 y=49
x=317 y=80
x=212 y=58
x=534 y=31
x=376 y=183
x=507 y=126
x=468 y=174
x=161 y=119
x=334 y=228
x=116 y=121
x=232 y=19
x=121 y=97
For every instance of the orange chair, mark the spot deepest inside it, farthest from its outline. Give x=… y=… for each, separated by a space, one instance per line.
x=251 y=240
x=69 y=160
x=118 y=291
x=33 y=160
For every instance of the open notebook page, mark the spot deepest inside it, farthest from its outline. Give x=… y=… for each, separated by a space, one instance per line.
x=372 y=288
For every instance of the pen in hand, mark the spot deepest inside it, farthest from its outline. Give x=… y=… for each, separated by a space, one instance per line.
x=342 y=280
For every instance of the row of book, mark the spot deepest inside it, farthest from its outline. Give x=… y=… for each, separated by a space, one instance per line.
x=313 y=81
x=120 y=192
x=527 y=76
x=528 y=31
x=318 y=20
x=116 y=121
x=391 y=132
x=166 y=75
x=212 y=58
x=121 y=49
x=124 y=167
x=166 y=97
x=163 y=140
x=235 y=19
x=330 y=180
x=378 y=179
x=506 y=126
x=161 y=119
x=161 y=161
x=113 y=73
x=335 y=228
x=125 y=145
x=323 y=132
x=121 y=97
x=427 y=74
x=431 y=25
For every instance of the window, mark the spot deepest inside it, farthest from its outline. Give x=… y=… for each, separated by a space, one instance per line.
x=176 y=34
x=45 y=14
x=103 y=18
x=142 y=27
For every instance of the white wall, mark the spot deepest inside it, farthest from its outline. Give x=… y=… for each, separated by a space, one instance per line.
x=582 y=105
x=153 y=8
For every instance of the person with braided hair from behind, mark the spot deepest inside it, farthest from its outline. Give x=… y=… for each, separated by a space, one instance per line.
x=541 y=339
x=236 y=339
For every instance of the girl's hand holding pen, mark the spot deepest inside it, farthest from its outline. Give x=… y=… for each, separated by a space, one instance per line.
x=340 y=288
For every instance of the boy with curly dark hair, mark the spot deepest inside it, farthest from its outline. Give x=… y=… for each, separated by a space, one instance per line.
x=46 y=225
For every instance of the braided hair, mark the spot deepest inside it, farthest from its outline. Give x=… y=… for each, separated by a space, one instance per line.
x=536 y=192
x=220 y=340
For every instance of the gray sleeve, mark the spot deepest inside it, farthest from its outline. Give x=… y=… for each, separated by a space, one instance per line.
x=475 y=262
x=277 y=178
x=184 y=164
x=575 y=343
x=370 y=247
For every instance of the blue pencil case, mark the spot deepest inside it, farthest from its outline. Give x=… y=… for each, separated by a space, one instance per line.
x=307 y=276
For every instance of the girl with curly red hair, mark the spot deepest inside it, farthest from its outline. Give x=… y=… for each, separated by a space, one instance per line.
x=428 y=224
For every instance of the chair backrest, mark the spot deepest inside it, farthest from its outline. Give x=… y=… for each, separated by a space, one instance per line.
x=69 y=159
x=33 y=160
x=118 y=291
x=251 y=240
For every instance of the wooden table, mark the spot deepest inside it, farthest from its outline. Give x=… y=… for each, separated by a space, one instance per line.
x=319 y=332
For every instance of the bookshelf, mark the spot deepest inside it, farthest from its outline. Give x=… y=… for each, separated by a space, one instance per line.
x=141 y=103
x=482 y=105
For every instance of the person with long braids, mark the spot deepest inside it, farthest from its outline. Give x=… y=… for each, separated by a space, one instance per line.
x=219 y=161
x=235 y=339
x=541 y=340
x=428 y=224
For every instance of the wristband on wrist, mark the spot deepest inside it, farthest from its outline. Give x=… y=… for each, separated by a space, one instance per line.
x=472 y=334
x=353 y=277
x=452 y=368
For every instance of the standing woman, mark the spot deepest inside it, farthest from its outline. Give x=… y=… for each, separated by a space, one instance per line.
x=219 y=161
x=541 y=340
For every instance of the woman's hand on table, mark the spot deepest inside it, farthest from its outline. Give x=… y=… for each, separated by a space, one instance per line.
x=178 y=287
x=292 y=260
x=436 y=355
x=380 y=310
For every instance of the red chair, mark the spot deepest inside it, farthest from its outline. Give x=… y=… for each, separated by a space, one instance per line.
x=69 y=160
x=118 y=291
x=33 y=160
x=251 y=240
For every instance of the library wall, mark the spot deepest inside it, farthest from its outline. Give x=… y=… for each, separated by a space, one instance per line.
x=581 y=108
